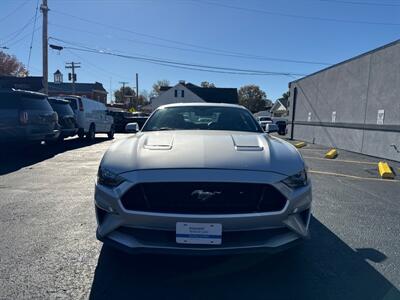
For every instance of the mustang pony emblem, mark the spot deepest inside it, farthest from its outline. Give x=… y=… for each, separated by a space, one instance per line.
x=204 y=195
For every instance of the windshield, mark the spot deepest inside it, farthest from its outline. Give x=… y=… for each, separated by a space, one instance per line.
x=263 y=119
x=202 y=118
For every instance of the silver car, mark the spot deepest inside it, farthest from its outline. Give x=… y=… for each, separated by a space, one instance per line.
x=202 y=178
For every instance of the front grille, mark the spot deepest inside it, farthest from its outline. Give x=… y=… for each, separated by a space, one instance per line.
x=203 y=198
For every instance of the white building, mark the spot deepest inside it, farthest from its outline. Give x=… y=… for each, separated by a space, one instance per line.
x=188 y=92
x=280 y=108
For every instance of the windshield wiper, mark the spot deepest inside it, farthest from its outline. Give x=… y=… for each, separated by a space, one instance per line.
x=166 y=128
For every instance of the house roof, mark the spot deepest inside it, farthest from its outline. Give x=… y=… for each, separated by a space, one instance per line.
x=211 y=94
x=279 y=105
x=284 y=102
x=79 y=87
x=31 y=83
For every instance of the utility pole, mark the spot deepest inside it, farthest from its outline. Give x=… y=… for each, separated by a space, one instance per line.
x=293 y=112
x=72 y=76
x=110 y=89
x=137 y=90
x=44 y=9
x=123 y=90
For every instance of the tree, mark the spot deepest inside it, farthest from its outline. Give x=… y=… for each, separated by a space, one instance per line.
x=11 y=66
x=284 y=97
x=157 y=85
x=144 y=96
x=206 y=84
x=129 y=94
x=252 y=97
x=268 y=104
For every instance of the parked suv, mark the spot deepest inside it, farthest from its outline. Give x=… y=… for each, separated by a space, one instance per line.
x=66 y=117
x=26 y=117
x=91 y=117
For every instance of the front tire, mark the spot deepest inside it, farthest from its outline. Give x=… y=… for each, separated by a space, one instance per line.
x=91 y=134
x=110 y=134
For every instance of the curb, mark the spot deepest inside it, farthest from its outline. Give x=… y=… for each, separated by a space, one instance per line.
x=300 y=145
x=385 y=171
x=331 y=154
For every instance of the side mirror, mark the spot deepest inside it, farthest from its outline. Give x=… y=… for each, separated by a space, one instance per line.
x=270 y=128
x=132 y=127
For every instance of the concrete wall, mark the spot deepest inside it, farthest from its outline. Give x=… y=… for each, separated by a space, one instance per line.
x=355 y=90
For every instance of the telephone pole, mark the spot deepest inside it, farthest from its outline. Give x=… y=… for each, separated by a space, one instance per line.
x=44 y=9
x=72 y=75
x=123 y=90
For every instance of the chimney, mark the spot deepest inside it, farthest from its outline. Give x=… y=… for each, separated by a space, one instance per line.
x=182 y=82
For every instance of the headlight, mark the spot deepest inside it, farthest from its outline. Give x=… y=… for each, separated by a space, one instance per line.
x=297 y=180
x=108 y=178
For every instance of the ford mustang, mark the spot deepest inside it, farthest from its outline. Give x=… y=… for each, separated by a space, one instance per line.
x=202 y=178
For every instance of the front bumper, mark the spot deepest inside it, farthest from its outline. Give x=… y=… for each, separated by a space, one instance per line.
x=67 y=132
x=149 y=232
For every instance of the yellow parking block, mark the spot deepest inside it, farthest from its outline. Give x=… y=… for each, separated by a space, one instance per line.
x=385 y=171
x=300 y=144
x=331 y=154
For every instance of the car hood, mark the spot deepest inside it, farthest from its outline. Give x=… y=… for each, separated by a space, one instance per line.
x=193 y=149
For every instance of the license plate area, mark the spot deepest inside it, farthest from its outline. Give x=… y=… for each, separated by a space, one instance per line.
x=198 y=233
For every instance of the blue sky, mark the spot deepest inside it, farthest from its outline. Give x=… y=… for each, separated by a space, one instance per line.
x=284 y=29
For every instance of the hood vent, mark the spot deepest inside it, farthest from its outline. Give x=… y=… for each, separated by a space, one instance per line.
x=247 y=143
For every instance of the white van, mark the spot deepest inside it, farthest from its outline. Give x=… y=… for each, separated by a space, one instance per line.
x=91 y=117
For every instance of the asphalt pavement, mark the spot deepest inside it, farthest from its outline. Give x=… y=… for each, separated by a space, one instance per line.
x=48 y=248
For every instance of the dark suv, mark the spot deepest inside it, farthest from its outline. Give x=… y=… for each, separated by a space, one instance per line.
x=26 y=117
x=66 y=117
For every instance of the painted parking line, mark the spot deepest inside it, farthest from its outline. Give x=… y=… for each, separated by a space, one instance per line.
x=351 y=176
x=343 y=160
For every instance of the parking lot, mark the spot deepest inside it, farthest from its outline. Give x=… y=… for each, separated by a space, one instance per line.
x=48 y=246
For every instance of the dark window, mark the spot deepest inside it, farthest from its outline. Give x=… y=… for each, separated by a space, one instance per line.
x=33 y=103
x=176 y=93
x=61 y=108
x=8 y=101
x=73 y=104
x=182 y=93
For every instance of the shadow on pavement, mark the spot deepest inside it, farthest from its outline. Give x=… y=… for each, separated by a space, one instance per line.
x=322 y=268
x=15 y=157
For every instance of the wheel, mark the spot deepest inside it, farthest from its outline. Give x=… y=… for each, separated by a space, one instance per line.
x=110 y=134
x=81 y=134
x=91 y=134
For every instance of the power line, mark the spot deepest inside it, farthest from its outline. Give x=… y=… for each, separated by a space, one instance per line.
x=14 y=10
x=94 y=65
x=363 y=3
x=247 y=56
x=23 y=37
x=166 y=61
x=195 y=46
x=183 y=65
x=33 y=34
x=273 y=13
x=8 y=38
